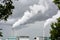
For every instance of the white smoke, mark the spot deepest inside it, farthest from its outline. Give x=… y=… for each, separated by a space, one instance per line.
x=34 y=11
x=52 y=20
x=43 y=6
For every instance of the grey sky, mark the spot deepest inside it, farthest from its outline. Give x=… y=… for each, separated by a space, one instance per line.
x=42 y=16
x=20 y=7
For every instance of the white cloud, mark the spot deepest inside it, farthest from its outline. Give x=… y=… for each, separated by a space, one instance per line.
x=53 y=19
x=34 y=11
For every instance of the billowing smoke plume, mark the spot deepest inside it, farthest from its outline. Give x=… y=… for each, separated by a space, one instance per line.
x=27 y=15
x=42 y=6
x=52 y=20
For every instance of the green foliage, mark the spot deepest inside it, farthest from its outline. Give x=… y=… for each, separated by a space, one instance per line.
x=6 y=9
x=1 y=34
x=57 y=2
x=55 y=30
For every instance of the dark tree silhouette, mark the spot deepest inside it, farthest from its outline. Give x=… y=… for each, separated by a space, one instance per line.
x=1 y=35
x=6 y=9
x=55 y=30
x=55 y=27
x=57 y=2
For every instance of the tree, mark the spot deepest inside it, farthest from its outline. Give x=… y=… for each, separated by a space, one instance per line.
x=57 y=2
x=55 y=30
x=1 y=33
x=6 y=9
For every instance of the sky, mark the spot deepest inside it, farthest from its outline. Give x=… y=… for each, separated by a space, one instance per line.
x=22 y=6
x=37 y=12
